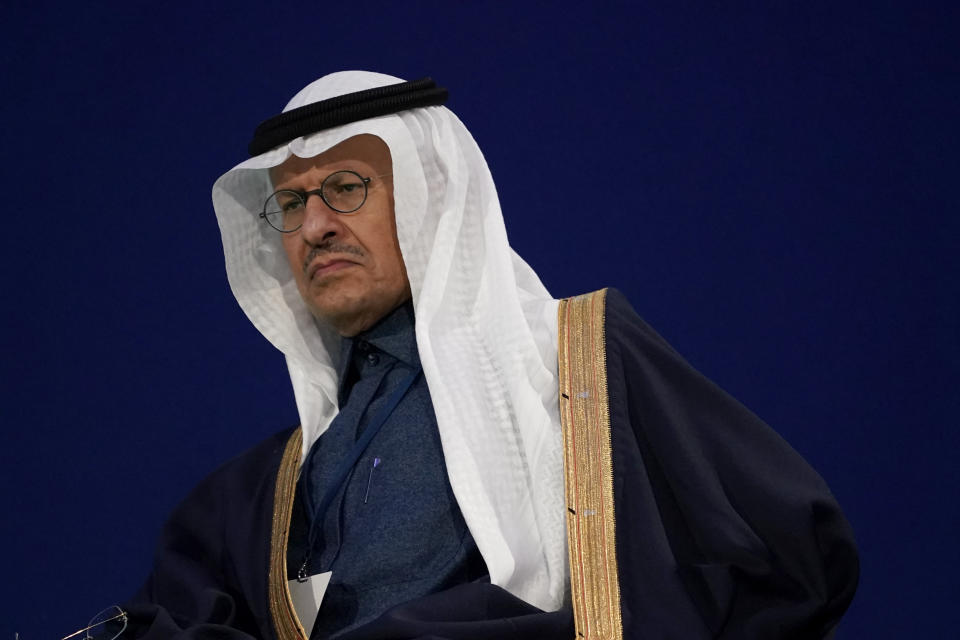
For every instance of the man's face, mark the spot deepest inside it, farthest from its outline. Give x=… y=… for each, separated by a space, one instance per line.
x=348 y=268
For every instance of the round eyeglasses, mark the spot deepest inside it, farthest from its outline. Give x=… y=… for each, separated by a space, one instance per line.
x=343 y=191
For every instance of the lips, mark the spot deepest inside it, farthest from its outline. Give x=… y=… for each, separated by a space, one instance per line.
x=320 y=268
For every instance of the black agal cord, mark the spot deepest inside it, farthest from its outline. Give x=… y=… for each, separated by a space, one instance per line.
x=349 y=107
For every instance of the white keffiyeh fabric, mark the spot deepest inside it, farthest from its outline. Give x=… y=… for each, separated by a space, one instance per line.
x=486 y=328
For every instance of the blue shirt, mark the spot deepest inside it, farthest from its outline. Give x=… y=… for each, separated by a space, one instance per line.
x=394 y=531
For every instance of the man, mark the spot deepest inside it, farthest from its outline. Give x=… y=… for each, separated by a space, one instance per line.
x=475 y=459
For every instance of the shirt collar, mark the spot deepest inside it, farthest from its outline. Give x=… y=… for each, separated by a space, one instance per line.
x=394 y=335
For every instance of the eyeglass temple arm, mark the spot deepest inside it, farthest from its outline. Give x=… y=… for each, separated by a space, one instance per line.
x=122 y=614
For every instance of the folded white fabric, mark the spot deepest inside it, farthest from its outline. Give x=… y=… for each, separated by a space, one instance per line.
x=486 y=328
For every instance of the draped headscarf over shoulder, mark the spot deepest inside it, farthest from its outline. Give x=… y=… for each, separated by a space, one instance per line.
x=486 y=327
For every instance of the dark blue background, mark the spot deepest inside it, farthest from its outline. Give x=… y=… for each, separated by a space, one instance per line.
x=780 y=200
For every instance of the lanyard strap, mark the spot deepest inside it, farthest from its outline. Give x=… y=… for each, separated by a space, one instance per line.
x=347 y=464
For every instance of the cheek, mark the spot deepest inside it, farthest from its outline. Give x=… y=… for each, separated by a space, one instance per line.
x=395 y=273
x=294 y=257
x=389 y=259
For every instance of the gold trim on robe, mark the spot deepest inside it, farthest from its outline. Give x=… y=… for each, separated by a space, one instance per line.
x=588 y=467
x=285 y=620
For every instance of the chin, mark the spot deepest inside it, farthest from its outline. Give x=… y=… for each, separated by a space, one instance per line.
x=348 y=318
x=351 y=310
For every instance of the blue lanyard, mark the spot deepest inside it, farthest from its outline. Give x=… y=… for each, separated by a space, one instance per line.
x=347 y=464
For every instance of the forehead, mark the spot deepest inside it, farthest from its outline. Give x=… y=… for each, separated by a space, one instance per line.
x=363 y=153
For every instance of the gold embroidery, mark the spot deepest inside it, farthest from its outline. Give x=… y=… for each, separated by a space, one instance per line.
x=588 y=467
x=285 y=619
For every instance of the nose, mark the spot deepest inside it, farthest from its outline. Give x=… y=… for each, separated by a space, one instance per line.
x=320 y=222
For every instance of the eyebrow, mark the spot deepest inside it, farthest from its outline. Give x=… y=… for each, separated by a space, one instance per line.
x=360 y=171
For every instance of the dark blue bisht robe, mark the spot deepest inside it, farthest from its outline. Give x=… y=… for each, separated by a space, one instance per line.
x=722 y=530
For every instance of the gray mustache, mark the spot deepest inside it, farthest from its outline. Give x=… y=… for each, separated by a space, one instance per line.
x=330 y=247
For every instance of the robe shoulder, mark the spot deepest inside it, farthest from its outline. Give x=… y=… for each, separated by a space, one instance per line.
x=210 y=570
x=723 y=530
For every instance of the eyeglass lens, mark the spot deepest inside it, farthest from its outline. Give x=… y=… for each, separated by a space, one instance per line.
x=343 y=191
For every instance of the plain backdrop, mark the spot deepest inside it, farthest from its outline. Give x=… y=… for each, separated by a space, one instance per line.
x=780 y=201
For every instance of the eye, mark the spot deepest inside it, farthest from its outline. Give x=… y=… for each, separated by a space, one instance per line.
x=288 y=201
x=293 y=204
x=284 y=203
x=347 y=185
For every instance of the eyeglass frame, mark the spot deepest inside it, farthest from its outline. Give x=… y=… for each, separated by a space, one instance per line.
x=304 y=196
x=123 y=616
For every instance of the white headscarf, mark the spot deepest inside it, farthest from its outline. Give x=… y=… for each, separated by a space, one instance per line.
x=486 y=328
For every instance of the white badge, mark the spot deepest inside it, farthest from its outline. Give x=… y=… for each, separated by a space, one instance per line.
x=307 y=597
